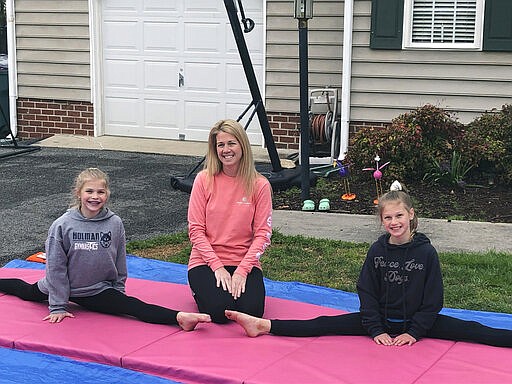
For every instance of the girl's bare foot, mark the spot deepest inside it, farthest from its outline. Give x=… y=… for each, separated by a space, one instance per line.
x=253 y=326
x=188 y=320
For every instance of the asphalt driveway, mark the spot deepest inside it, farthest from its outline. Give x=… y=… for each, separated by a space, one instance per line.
x=35 y=190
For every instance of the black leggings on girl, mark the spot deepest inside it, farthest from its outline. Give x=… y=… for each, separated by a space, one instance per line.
x=214 y=300
x=445 y=327
x=109 y=301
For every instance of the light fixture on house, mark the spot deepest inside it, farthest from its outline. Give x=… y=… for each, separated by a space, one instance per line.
x=303 y=9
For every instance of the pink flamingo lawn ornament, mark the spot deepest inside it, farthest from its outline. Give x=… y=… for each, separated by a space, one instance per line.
x=344 y=173
x=377 y=175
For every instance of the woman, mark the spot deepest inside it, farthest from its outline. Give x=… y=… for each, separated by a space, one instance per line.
x=230 y=225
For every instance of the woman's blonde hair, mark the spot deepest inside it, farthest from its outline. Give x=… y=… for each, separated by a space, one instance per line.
x=246 y=171
x=83 y=177
x=404 y=198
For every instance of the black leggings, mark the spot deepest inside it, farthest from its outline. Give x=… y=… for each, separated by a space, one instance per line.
x=445 y=327
x=110 y=301
x=214 y=300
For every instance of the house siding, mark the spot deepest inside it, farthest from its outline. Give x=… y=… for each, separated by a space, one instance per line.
x=53 y=68
x=52 y=42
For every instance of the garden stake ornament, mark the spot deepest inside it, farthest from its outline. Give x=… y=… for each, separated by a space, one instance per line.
x=377 y=175
x=345 y=173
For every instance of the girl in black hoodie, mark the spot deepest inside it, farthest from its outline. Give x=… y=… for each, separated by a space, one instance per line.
x=400 y=290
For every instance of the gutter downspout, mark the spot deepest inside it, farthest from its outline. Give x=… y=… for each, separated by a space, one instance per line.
x=11 y=63
x=348 y=14
x=95 y=60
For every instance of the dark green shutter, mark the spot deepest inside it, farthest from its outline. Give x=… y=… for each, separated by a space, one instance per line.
x=387 y=24
x=498 y=25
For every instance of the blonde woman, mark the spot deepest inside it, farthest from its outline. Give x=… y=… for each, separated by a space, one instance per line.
x=230 y=225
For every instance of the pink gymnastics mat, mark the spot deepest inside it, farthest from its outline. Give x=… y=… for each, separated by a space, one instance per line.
x=223 y=354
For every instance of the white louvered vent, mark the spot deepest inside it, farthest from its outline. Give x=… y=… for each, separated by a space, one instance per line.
x=444 y=21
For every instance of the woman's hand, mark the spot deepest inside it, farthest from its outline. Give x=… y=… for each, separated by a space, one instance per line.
x=404 y=339
x=237 y=285
x=223 y=279
x=57 y=317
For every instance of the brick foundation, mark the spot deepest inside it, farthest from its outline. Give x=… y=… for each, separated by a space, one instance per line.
x=285 y=129
x=39 y=118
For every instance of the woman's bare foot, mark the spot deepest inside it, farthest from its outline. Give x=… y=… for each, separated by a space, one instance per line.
x=253 y=326
x=188 y=320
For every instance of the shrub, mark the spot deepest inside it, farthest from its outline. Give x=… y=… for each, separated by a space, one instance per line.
x=440 y=131
x=488 y=143
x=394 y=143
x=411 y=143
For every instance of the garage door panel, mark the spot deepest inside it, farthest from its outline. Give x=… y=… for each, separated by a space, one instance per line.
x=172 y=6
x=123 y=111
x=197 y=115
x=162 y=113
x=253 y=41
x=118 y=6
x=122 y=36
x=204 y=7
x=161 y=37
x=235 y=79
x=122 y=74
x=162 y=77
x=203 y=38
x=205 y=77
x=193 y=110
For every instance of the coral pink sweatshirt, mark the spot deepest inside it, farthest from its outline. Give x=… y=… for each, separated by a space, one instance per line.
x=226 y=227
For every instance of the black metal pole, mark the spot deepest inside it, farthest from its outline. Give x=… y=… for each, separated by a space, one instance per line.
x=304 y=107
x=253 y=84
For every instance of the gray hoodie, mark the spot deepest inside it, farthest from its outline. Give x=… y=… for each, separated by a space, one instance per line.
x=83 y=257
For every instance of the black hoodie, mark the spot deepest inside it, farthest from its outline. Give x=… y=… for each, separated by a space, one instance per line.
x=400 y=283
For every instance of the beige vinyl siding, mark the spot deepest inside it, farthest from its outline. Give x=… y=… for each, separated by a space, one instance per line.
x=386 y=83
x=325 y=37
x=52 y=42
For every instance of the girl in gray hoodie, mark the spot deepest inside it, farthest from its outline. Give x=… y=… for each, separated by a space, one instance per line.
x=86 y=262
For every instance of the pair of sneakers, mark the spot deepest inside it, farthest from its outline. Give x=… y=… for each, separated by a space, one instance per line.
x=323 y=205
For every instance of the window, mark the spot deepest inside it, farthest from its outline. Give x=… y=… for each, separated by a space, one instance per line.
x=442 y=24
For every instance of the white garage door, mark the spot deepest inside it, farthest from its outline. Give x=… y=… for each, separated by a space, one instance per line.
x=171 y=68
